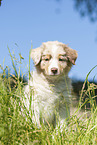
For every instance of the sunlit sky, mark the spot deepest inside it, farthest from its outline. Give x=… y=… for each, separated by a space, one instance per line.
x=23 y=23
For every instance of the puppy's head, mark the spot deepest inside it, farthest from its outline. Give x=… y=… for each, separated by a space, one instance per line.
x=54 y=58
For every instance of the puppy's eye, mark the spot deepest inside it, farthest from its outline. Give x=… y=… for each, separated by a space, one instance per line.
x=46 y=59
x=60 y=59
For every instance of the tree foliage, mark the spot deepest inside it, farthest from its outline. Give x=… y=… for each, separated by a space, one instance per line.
x=87 y=8
x=0 y=2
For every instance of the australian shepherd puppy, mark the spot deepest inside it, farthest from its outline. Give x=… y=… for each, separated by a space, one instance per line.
x=49 y=88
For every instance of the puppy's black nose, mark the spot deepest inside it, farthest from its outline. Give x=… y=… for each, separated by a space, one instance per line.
x=54 y=70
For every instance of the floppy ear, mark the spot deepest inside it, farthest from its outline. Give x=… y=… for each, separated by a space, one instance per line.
x=36 y=55
x=72 y=58
x=71 y=54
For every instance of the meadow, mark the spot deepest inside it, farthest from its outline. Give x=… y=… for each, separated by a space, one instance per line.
x=16 y=127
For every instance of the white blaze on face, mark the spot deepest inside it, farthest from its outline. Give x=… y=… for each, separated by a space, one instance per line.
x=53 y=67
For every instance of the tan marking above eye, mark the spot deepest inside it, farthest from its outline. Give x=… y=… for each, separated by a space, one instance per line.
x=46 y=57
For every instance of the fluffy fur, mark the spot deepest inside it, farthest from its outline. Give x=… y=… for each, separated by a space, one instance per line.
x=48 y=91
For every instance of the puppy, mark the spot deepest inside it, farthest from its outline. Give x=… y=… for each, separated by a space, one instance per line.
x=48 y=91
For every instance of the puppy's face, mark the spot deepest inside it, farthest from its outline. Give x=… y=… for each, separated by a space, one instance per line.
x=54 y=58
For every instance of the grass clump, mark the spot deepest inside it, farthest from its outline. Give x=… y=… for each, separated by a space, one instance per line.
x=16 y=127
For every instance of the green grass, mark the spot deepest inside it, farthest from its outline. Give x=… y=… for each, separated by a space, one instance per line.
x=16 y=127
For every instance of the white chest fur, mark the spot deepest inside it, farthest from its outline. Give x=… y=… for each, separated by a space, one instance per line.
x=49 y=98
